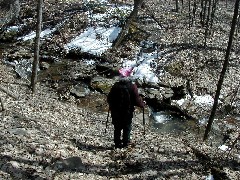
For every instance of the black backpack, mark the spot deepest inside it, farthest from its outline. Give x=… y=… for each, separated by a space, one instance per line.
x=119 y=97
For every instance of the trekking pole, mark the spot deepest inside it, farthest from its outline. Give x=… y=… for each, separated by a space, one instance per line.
x=107 y=120
x=143 y=122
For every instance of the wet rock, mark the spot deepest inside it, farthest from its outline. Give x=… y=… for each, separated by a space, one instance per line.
x=80 y=90
x=102 y=84
x=80 y=70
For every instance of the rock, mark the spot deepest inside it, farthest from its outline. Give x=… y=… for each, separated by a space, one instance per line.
x=154 y=93
x=10 y=34
x=18 y=131
x=80 y=90
x=44 y=65
x=15 y=164
x=102 y=84
x=23 y=68
x=72 y=163
x=107 y=69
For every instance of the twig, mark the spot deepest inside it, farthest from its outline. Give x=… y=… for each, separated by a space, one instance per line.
x=8 y=93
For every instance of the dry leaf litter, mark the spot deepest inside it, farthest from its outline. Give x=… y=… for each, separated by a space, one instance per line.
x=44 y=138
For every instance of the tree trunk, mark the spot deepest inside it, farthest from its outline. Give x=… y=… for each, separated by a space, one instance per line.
x=132 y=16
x=214 y=7
x=177 y=7
x=194 y=11
x=37 y=46
x=207 y=23
x=225 y=65
x=201 y=14
x=189 y=13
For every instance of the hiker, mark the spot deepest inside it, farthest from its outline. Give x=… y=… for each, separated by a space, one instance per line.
x=122 y=98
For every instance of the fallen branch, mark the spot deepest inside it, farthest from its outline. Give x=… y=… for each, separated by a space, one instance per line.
x=8 y=93
x=2 y=105
x=151 y=15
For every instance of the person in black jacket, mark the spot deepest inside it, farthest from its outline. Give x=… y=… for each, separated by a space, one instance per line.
x=122 y=116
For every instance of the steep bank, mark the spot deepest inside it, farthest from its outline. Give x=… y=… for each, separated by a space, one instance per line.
x=44 y=138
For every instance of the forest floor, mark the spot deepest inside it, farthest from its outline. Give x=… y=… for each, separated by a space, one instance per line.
x=42 y=137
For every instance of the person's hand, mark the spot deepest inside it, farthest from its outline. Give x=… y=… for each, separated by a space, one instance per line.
x=143 y=99
x=144 y=103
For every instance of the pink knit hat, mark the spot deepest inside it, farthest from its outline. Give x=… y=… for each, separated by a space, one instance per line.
x=125 y=72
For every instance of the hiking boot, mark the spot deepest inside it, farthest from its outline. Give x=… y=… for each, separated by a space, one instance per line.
x=130 y=144
x=118 y=146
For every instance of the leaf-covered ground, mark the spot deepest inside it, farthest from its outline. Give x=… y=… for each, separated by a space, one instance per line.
x=42 y=137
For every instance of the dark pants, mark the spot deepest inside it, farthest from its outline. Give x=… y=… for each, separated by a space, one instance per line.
x=125 y=130
x=122 y=122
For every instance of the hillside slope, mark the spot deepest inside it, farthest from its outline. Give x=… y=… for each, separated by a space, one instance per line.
x=44 y=138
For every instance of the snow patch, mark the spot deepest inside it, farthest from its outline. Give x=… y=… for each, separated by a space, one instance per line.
x=223 y=147
x=32 y=35
x=94 y=40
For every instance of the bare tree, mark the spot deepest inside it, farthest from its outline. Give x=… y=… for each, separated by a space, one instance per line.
x=207 y=22
x=194 y=12
x=177 y=6
x=37 y=46
x=132 y=16
x=203 y=12
x=225 y=65
x=214 y=7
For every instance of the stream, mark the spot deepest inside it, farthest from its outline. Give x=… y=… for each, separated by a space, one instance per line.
x=162 y=121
